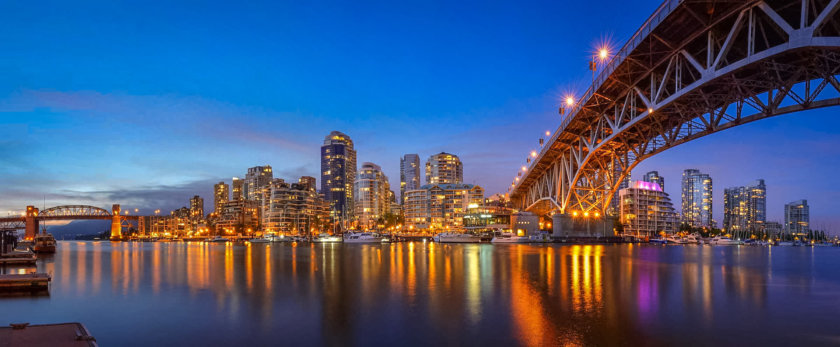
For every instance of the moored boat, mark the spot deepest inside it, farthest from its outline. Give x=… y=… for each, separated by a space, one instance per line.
x=510 y=238
x=327 y=238
x=362 y=237
x=449 y=237
x=43 y=243
x=724 y=241
x=218 y=239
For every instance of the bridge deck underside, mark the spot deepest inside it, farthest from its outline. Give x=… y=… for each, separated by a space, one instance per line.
x=708 y=66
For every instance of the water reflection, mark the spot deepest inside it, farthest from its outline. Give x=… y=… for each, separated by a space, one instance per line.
x=430 y=293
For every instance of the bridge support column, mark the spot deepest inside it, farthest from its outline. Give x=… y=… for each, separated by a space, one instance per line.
x=565 y=225
x=31 y=223
x=116 y=223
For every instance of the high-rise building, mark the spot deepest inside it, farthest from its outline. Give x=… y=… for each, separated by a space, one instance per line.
x=646 y=210
x=745 y=208
x=338 y=173
x=444 y=168
x=614 y=203
x=238 y=217
x=697 y=199
x=371 y=198
x=196 y=208
x=238 y=185
x=797 y=218
x=654 y=177
x=295 y=208
x=256 y=180
x=221 y=195
x=409 y=174
x=441 y=207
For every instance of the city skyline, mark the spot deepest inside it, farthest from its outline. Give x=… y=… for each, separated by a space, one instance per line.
x=148 y=140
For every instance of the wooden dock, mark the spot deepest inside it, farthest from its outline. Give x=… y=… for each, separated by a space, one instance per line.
x=18 y=260
x=58 y=335
x=24 y=282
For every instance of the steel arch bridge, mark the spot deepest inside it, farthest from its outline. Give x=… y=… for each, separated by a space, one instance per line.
x=695 y=67
x=74 y=212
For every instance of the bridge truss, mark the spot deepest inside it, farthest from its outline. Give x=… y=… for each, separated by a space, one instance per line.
x=695 y=68
x=75 y=212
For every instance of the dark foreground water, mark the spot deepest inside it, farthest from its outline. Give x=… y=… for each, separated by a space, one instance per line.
x=430 y=294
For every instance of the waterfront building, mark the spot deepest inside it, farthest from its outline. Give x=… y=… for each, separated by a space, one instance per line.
x=256 y=180
x=773 y=229
x=524 y=223
x=237 y=188
x=179 y=222
x=745 y=208
x=646 y=210
x=487 y=217
x=409 y=174
x=654 y=177
x=295 y=208
x=444 y=168
x=239 y=217
x=372 y=195
x=221 y=194
x=797 y=218
x=338 y=174
x=697 y=199
x=441 y=207
x=196 y=208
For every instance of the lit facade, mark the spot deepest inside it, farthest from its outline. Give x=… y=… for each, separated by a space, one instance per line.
x=745 y=208
x=487 y=217
x=294 y=208
x=797 y=217
x=697 y=199
x=237 y=187
x=221 y=195
x=256 y=180
x=654 y=177
x=239 y=217
x=441 y=207
x=338 y=174
x=444 y=168
x=372 y=195
x=646 y=209
x=196 y=208
x=409 y=174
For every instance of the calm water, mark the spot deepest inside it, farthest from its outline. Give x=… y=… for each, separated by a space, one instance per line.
x=432 y=294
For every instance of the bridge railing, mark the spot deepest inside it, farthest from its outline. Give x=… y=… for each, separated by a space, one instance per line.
x=650 y=24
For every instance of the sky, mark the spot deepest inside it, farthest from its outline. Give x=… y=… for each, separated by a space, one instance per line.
x=149 y=103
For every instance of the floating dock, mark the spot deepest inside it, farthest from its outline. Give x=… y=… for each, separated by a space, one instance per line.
x=57 y=335
x=24 y=282
x=29 y=260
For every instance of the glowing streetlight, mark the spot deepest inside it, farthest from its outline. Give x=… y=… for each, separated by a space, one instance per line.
x=524 y=169
x=547 y=133
x=533 y=154
x=570 y=101
x=603 y=53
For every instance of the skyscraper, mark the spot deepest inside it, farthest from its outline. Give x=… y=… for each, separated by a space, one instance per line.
x=745 y=208
x=196 y=208
x=444 y=168
x=697 y=199
x=338 y=173
x=653 y=177
x=256 y=180
x=409 y=174
x=371 y=195
x=221 y=195
x=237 y=186
x=797 y=217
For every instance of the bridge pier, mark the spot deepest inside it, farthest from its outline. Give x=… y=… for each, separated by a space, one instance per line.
x=116 y=223
x=30 y=218
x=565 y=225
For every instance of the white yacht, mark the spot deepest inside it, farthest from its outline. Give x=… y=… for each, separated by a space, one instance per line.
x=360 y=237
x=724 y=241
x=259 y=240
x=327 y=238
x=218 y=239
x=692 y=239
x=449 y=237
x=510 y=238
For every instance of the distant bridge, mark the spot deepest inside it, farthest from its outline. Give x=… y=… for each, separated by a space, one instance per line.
x=696 y=67
x=32 y=217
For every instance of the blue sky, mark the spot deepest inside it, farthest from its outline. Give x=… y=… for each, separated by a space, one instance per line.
x=148 y=103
